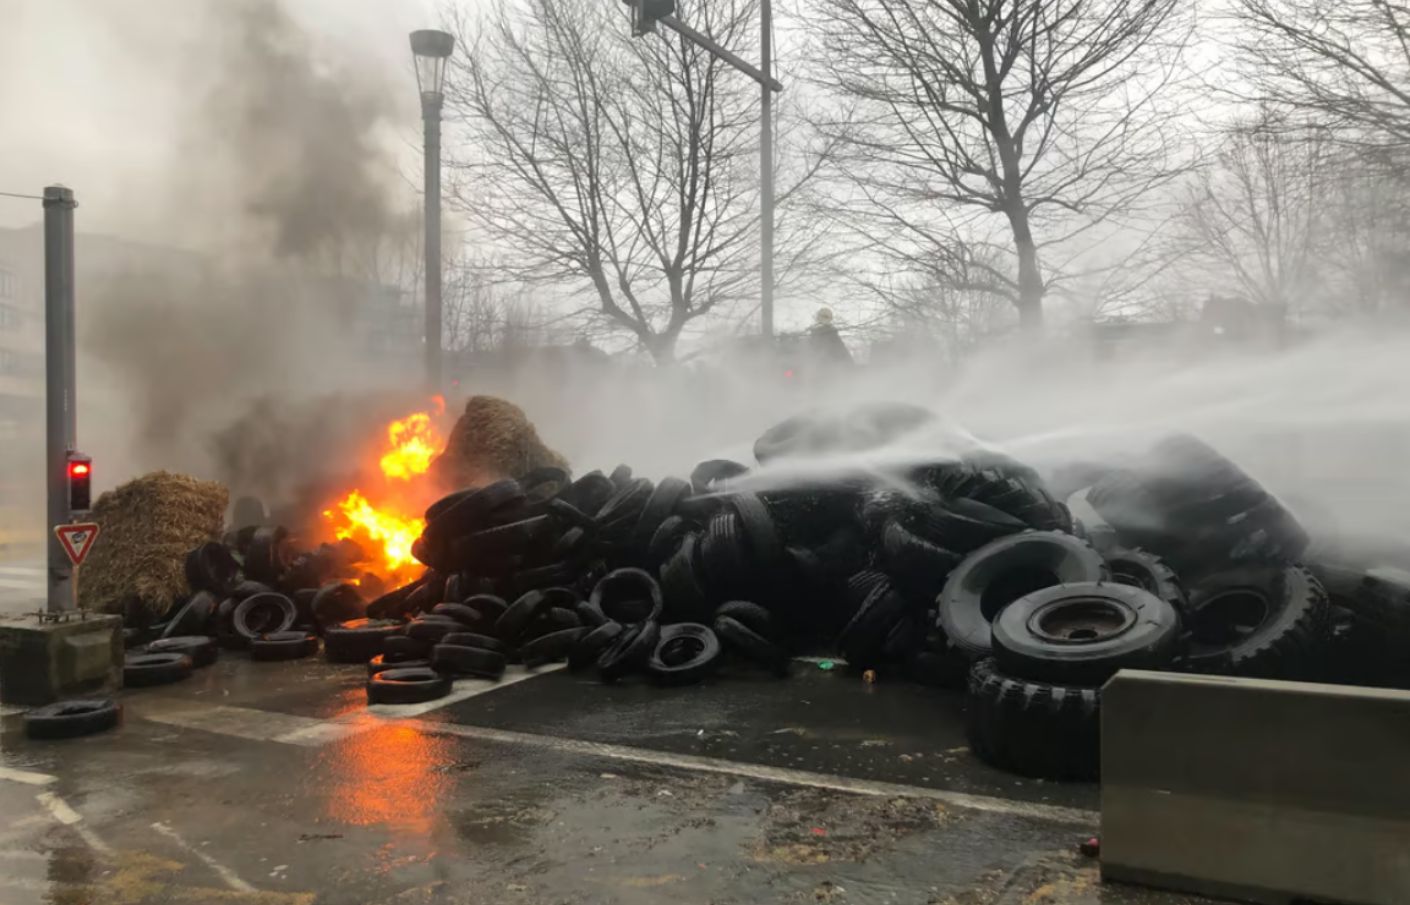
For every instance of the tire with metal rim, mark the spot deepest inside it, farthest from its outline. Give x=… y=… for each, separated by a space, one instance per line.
x=1270 y=622
x=1081 y=634
x=406 y=686
x=200 y=648
x=358 y=640
x=685 y=653
x=73 y=719
x=1000 y=572
x=1033 y=728
x=155 y=669
x=284 y=646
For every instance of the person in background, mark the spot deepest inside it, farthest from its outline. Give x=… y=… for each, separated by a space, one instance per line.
x=825 y=345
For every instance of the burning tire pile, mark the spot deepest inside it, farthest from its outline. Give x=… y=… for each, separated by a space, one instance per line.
x=964 y=573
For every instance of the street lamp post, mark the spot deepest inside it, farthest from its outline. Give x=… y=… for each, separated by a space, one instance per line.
x=431 y=49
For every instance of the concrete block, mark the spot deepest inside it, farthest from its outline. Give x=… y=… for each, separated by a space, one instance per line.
x=1262 y=791
x=42 y=662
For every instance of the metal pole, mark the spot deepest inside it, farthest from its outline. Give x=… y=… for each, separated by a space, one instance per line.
x=59 y=389
x=710 y=44
x=766 y=173
x=431 y=117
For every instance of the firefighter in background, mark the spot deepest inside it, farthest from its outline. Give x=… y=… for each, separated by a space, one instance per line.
x=826 y=350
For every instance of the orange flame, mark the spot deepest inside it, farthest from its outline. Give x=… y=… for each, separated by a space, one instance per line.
x=392 y=525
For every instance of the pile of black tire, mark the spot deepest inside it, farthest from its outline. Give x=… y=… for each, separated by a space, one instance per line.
x=252 y=594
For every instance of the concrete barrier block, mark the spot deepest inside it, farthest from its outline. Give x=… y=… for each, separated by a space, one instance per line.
x=41 y=662
x=1264 y=791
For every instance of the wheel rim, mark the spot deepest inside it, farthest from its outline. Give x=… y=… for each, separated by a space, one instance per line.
x=1086 y=620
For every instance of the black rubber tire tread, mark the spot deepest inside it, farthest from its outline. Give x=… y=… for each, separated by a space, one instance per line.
x=757 y=526
x=194 y=618
x=629 y=652
x=509 y=627
x=614 y=590
x=284 y=646
x=1287 y=644
x=201 y=649
x=248 y=588
x=961 y=603
x=1026 y=501
x=917 y=567
x=470 y=617
x=489 y=605
x=268 y=602
x=666 y=539
x=553 y=575
x=1134 y=566
x=475 y=662
x=707 y=474
x=1033 y=728
x=756 y=618
x=938 y=669
x=140 y=670
x=863 y=640
x=659 y=506
x=551 y=647
x=470 y=510
x=620 y=476
x=268 y=556
x=212 y=567
x=494 y=544
x=707 y=654
x=590 y=492
x=406 y=686
x=404 y=646
x=723 y=558
x=1149 y=641
x=431 y=629
x=553 y=619
x=748 y=644
x=380 y=663
x=686 y=599
x=72 y=719
x=475 y=639
x=1382 y=601
x=544 y=483
x=963 y=525
x=591 y=645
x=337 y=601
x=358 y=640
x=626 y=504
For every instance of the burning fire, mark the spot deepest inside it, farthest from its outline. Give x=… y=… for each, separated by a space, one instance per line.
x=392 y=524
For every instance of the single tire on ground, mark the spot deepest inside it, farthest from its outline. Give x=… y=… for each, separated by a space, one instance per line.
x=1033 y=728
x=277 y=646
x=358 y=640
x=200 y=648
x=459 y=660
x=72 y=719
x=685 y=653
x=406 y=686
x=140 y=670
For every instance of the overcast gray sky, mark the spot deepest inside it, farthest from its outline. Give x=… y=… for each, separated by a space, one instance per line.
x=92 y=92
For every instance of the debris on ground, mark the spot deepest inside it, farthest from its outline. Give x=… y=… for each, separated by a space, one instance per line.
x=148 y=526
x=959 y=573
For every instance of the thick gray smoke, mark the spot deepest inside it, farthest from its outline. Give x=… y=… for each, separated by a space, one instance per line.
x=285 y=182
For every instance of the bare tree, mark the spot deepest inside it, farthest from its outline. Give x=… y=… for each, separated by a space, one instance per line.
x=1043 y=116
x=622 y=168
x=1254 y=218
x=1343 y=63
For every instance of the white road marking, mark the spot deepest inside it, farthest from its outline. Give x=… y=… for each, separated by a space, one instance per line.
x=765 y=773
x=289 y=729
x=229 y=876
x=27 y=777
x=60 y=811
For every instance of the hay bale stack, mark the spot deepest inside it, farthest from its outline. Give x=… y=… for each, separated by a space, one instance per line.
x=492 y=439
x=148 y=526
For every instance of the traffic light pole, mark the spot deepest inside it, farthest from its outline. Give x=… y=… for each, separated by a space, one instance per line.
x=705 y=41
x=61 y=403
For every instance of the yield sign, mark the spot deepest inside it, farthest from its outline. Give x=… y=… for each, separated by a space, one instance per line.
x=77 y=539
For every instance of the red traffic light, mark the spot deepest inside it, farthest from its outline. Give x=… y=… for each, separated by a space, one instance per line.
x=78 y=469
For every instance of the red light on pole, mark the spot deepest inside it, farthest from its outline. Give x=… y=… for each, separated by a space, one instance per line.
x=80 y=472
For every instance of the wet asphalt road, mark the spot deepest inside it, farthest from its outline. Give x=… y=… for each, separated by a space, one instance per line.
x=273 y=783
